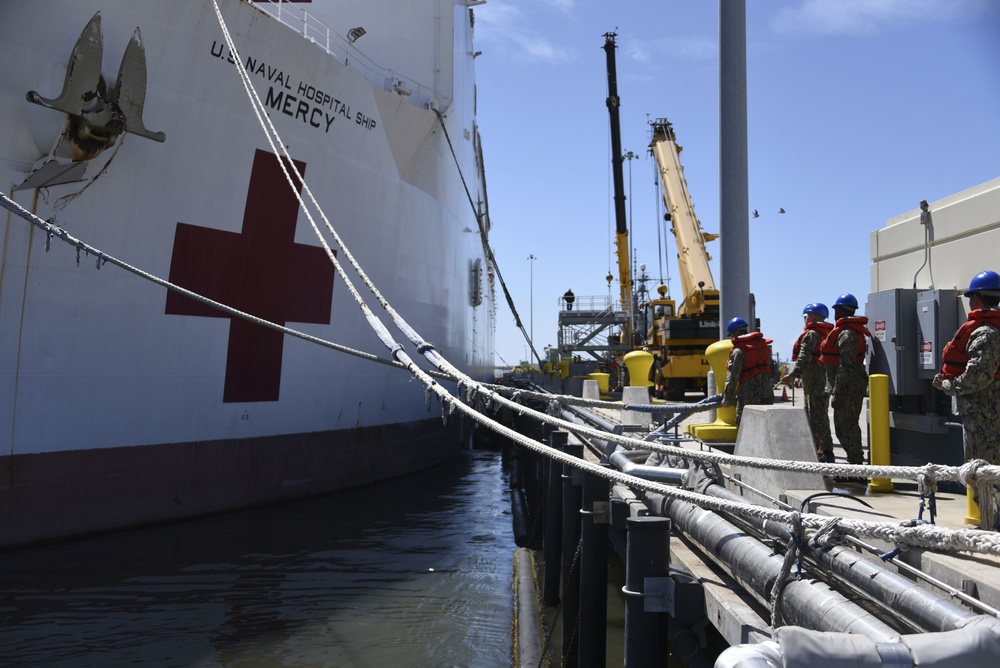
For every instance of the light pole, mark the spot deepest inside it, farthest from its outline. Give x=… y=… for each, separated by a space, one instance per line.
x=531 y=283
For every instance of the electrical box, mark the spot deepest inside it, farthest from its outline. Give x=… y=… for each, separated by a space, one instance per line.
x=892 y=319
x=937 y=317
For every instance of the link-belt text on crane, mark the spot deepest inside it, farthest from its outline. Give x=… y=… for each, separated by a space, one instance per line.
x=297 y=99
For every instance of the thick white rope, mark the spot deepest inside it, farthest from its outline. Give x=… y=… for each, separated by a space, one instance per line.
x=472 y=386
x=928 y=536
x=271 y=133
x=52 y=230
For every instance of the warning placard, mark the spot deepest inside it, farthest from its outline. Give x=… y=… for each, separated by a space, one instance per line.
x=927 y=354
x=880 y=330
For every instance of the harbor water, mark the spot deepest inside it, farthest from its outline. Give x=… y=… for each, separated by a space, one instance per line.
x=413 y=572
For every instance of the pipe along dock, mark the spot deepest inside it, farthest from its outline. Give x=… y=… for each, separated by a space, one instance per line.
x=717 y=554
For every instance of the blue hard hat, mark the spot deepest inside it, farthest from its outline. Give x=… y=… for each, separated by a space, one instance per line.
x=735 y=325
x=984 y=280
x=819 y=309
x=846 y=301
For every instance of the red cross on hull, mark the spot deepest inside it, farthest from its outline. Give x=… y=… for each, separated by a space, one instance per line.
x=261 y=271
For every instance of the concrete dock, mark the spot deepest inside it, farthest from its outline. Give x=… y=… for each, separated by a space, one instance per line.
x=740 y=618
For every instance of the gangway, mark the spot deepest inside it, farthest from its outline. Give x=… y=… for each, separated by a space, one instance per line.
x=592 y=325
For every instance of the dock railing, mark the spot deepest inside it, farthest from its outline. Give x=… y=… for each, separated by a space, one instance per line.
x=591 y=324
x=297 y=17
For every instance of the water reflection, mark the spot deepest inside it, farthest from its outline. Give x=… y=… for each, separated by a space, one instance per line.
x=411 y=573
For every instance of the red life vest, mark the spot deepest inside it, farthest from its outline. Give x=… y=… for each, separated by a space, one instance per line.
x=953 y=357
x=756 y=353
x=829 y=353
x=823 y=328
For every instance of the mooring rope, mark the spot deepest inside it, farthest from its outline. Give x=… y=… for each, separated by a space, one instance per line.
x=922 y=535
x=53 y=231
x=971 y=472
x=424 y=347
x=926 y=536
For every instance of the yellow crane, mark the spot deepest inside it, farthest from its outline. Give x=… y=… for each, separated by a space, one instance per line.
x=678 y=336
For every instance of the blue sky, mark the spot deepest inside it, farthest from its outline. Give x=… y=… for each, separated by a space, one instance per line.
x=857 y=110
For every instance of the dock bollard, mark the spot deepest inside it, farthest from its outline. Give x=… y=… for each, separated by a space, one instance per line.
x=878 y=416
x=723 y=428
x=638 y=363
x=603 y=382
x=971 y=508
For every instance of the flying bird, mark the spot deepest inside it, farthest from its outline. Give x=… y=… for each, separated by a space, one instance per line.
x=781 y=210
x=755 y=214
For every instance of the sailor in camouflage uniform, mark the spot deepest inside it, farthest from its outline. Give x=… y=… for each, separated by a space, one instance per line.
x=808 y=369
x=748 y=370
x=970 y=372
x=843 y=351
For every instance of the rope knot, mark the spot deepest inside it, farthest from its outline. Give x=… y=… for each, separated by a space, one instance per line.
x=968 y=473
x=425 y=347
x=792 y=555
x=927 y=481
x=827 y=535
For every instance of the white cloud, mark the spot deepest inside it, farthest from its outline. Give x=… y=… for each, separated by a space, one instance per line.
x=564 y=6
x=860 y=17
x=637 y=51
x=673 y=48
x=502 y=27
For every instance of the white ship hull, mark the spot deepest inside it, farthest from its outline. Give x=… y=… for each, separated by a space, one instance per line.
x=122 y=403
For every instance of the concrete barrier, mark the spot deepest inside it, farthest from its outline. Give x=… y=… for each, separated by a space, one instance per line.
x=773 y=432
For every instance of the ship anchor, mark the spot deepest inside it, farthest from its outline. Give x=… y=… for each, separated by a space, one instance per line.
x=99 y=116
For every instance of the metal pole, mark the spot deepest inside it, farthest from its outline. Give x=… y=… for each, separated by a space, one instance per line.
x=647 y=556
x=594 y=572
x=553 y=523
x=531 y=283
x=878 y=392
x=734 y=263
x=572 y=500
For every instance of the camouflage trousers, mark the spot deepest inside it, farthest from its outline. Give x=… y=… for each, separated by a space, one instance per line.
x=755 y=391
x=981 y=438
x=845 y=422
x=817 y=407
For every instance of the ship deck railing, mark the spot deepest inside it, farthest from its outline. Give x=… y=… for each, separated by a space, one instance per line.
x=298 y=18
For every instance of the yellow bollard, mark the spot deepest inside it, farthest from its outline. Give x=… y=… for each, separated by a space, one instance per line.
x=724 y=427
x=971 y=508
x=602 y=381
x=878 y=447
x=639 y=362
